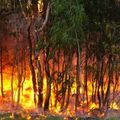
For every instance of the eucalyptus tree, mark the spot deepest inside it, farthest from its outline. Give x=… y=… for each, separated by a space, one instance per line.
x=31 y=18
x=101 y=17
x=36 y=23
x=1 y=71
x=4 y=11
x=67 y=32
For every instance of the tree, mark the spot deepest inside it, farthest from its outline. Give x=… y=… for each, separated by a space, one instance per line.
x=100 y=26
x=67 y=19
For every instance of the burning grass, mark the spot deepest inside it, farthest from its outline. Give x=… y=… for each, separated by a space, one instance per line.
x=55 y=84
x=18 y=109
x=23 y=115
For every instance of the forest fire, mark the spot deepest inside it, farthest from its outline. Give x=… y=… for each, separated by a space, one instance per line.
x=19 y=91
x=56 y=59
x=26 y=97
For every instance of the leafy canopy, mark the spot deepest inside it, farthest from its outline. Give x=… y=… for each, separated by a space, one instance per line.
x=67 y=17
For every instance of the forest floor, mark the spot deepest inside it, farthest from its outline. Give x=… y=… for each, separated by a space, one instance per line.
x=22 y=115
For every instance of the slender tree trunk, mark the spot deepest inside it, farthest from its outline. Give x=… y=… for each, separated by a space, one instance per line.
x=12 y=74
x=66 y=81
x=19 y=70
x=86 y=76
x=32 y=69
x=101 y=82
x=40 y=85
x=68 y=93
x=24 y=71
x=12 y=90
x=35 y=7
x=48 y=94
x=93 y=81
x=116 y=80
x=69 y=78
x=64 y=85
x=110 y=77
x=54 y=81
x=58 y=72
x=96 y=88
x=77 y=76
x=98 y=79
x=2 y=92
x=19 y=81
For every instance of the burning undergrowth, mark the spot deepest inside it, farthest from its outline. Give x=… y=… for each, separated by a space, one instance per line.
x=44 y=77
x=17 y=89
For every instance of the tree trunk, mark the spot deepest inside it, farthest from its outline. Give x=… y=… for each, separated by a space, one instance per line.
x=77 y=76
x=86 y=76
x=58 y=72
x=35 y=7
x=40 y=85
x=110 y=77
x=2 y=92
x=12 y=90
x=32 y=69
x=93 y=81
x=47 y=99
x=99 y=81
x=68 y=93
x=24 y=70
x=19 y=82
x=116 y=79
x=69 y=78
x=64 y=86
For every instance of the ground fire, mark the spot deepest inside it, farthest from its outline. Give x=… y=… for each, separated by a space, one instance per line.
x=18 y=92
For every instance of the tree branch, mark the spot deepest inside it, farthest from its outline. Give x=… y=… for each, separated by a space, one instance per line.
x=23 y=10
x=46 y=19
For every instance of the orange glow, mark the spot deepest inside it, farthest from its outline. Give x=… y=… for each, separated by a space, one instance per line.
x=114 y=106
x=40 y=6
x=26 y=92
x=93 y=106
x=26 y=100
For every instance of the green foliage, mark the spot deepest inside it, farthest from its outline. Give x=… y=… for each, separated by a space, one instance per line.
x=113 y=118
x=103 y=26
x=67 y=17
x=99 y=12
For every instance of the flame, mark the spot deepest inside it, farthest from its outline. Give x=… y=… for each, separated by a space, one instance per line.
x=26 y=100
x=24 y=90
x=44 y=88
x=40 y=6
x=114 y=106
x=93 y=106
x=26 y=94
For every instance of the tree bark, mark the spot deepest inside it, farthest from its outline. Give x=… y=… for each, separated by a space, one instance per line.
x=86 y=75
x=40 y=85
x=110 y=77
x=77 y=75
x=32 y=69
x=2 y=92
x=48 y=76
